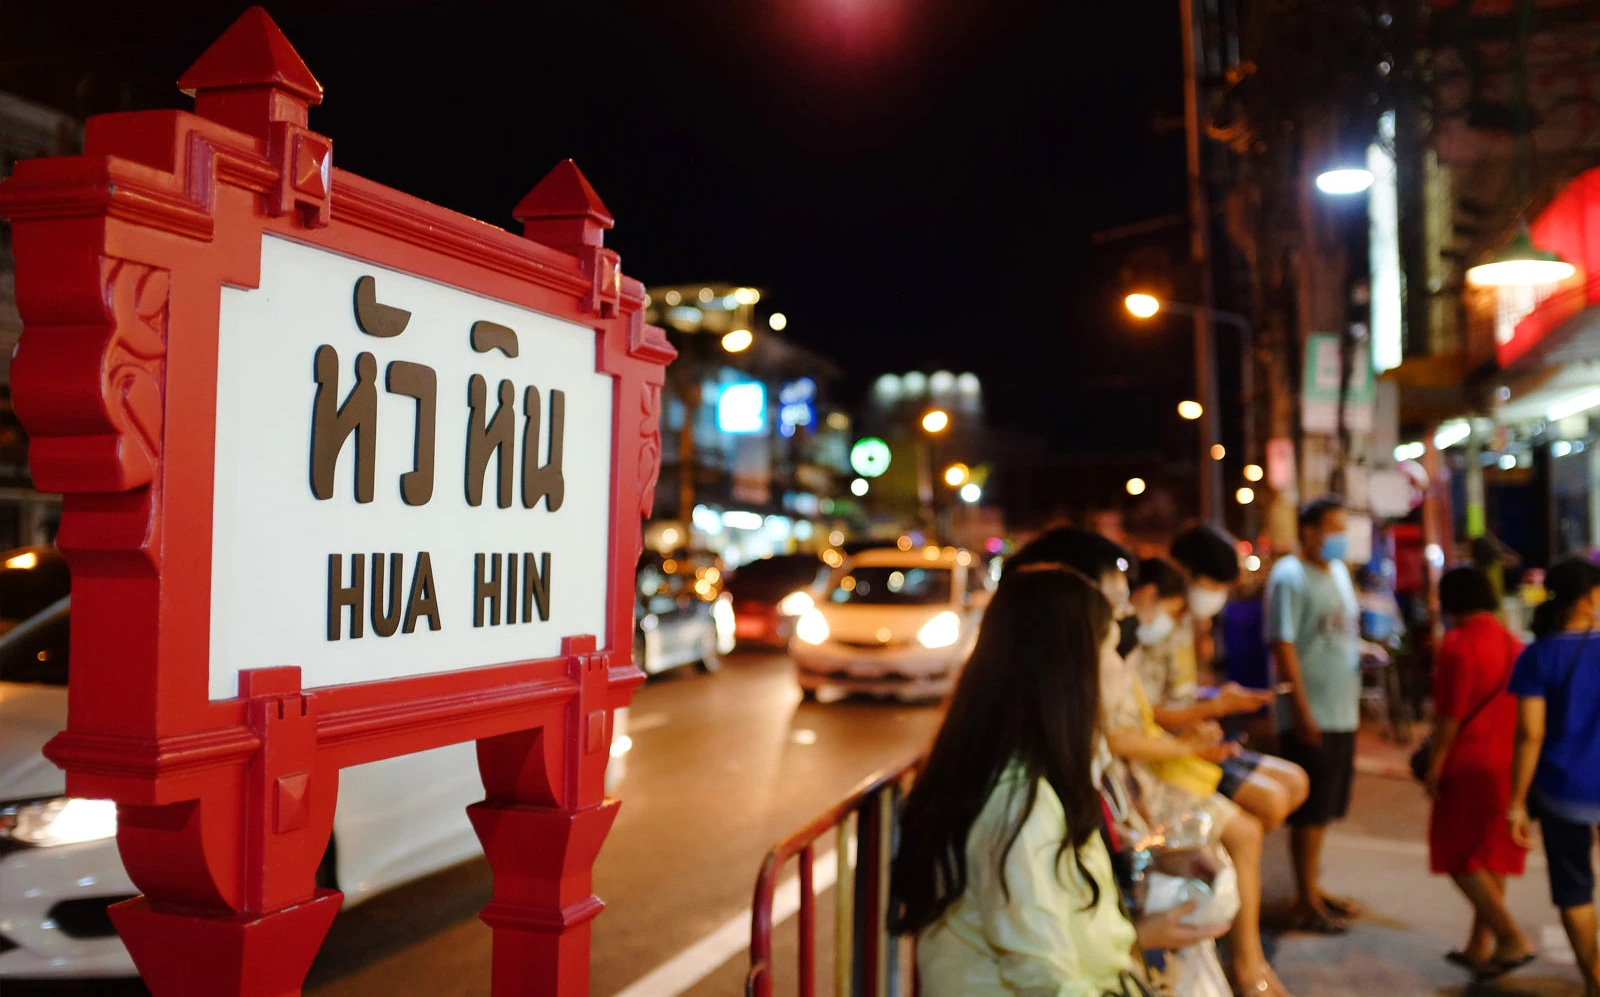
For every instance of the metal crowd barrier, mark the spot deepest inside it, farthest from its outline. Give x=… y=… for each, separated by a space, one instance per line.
x=864 y=954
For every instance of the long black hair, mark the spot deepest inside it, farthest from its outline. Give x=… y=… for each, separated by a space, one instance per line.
x=1029 y=694
x=1567 y=582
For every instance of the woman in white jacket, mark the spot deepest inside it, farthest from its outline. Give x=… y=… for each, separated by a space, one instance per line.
x=1003 y=872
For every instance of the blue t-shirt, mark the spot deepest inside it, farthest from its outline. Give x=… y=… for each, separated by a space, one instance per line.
x=1564 y=671
x=1315 y=610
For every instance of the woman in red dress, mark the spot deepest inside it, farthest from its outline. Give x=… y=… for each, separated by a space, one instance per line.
x=1470 y=776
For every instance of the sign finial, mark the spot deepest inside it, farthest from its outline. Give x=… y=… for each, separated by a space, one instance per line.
x=251 y=76
x=563 y=211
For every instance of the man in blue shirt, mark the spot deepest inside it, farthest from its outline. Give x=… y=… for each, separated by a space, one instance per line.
x=1556 y=771
x=1314 y=634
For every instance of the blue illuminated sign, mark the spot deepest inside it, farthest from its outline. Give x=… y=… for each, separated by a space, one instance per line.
x=797 y=401
x=742 y=408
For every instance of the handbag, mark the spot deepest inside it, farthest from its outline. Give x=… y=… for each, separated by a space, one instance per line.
x=1422 y=758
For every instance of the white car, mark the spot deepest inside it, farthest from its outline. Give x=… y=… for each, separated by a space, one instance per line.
x=397 y=820
x=892 y=622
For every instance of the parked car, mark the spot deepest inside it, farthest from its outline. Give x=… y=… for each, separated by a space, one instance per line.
x=770 y=594
x=682 y=614
x=397 y=820
x=892 y=622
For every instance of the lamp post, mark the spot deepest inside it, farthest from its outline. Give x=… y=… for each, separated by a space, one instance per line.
x=1146 y=306
x=934 y=422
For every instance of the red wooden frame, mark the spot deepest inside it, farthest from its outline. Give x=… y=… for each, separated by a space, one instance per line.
x=225 y=807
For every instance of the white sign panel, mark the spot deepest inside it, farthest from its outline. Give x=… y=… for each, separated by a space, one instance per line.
x=410 y=478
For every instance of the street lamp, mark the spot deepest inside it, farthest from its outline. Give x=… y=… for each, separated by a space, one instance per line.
x=1146 y=306
x=738 y=340
x=956 y=475
x=1142 y=305
x=1245 y=495
x=971 y=493
x=1342 y=181
x=1135 y=486
x=1218 y=451
x=935 y=421
x=1253 y=472
x=1190 y=410
x=1521 y=263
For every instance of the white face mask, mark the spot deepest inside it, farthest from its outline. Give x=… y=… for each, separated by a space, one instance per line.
x=1205 y=603
x=1157 y=630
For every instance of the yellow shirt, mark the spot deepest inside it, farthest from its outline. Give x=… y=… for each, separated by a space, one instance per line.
x=1040 y=941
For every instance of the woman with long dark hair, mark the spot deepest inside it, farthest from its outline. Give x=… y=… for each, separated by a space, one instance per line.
x=1003 y=872
x=1556 y=769
x=1469 y=776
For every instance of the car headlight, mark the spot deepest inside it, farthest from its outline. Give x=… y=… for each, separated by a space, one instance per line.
x=812 y=628
x=61 y=821
x=797 y=604
x=722 y=619
x=941 y=631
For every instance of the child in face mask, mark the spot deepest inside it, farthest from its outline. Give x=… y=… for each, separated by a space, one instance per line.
x=1268 y=788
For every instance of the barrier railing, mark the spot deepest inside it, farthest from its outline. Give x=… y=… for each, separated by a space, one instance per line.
x=874 y=805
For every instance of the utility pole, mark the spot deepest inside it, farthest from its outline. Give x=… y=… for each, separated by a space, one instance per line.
x=1208 y=470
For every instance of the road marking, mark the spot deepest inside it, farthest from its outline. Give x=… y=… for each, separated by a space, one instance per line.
x=701 y=959
x=1403 y=849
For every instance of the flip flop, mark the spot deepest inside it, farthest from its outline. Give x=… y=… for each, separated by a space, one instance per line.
x=1459 y=958
x=1495 y=970
x=1342 y=906
x=1319 y=922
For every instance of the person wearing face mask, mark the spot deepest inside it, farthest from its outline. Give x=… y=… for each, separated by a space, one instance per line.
x=1211 y=560
x=1136 y=749
x=1268 y=788
x=1314 y=635
x=1555 y=770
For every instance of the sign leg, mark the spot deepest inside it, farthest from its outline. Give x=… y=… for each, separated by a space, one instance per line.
x=229 y=955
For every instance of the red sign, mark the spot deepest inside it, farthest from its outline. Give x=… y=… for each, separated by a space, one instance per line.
x=347 y=476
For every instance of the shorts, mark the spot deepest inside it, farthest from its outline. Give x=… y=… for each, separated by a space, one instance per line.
x=1330 y=770
x=1568 y=849
x=1236 y=772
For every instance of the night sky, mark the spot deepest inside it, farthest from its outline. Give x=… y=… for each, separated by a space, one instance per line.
x=914 y=183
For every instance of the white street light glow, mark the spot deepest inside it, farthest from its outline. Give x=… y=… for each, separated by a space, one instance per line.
x=936 y=421
x=1253 y=472
x=1135 y=486
x=1341 y=182
x=777 y=321
x=1245 y=495
x=1190 y=410
x=738 y=340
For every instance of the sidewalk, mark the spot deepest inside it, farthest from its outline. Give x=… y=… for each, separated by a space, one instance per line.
x=1380 y=857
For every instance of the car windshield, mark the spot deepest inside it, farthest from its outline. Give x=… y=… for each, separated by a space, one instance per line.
x=890 y=586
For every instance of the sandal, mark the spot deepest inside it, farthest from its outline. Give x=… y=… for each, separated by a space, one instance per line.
x=1459 y=958
x=1343 y=907
x=1318 y=922
x=1495 y=970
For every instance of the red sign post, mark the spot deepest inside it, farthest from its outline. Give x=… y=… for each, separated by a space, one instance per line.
x=347 y=476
